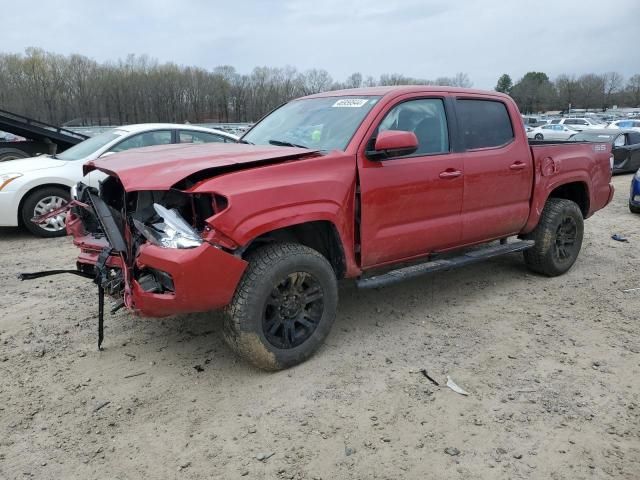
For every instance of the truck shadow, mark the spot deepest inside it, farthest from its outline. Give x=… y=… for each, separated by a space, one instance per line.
x=198 y=337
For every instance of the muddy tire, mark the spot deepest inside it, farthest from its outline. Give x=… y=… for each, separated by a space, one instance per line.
x=283 y=308
x=558 y=238
x=39 y=202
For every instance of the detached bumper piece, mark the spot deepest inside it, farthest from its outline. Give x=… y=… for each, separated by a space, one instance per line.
x=107 y=279
x=101 y=278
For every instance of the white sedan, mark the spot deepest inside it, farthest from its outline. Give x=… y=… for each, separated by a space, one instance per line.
x=552 y=132
x=30 y=187
x=627 y=124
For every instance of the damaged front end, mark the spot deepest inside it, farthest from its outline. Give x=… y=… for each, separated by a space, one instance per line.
x=154 y=252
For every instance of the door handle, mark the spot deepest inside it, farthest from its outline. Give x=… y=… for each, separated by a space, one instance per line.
x=518 y=166
x=449 y=174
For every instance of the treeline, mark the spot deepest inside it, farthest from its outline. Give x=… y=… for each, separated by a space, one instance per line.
x=61 y=89
x=535 y=92
x=77 y=90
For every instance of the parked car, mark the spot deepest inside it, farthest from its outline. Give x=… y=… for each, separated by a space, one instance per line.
x=625 y=145
x=33 y=186
x=343 y=184
x=578 y=124
x=626 y=124
x=551 y=132
x=634 y=194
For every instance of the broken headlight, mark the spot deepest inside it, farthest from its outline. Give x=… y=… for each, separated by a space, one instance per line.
x=173 y=232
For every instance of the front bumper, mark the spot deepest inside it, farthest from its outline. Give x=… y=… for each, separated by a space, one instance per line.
x=204 y=278
x=9 y=208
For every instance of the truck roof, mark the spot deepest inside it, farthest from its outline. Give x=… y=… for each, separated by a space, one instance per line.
x=396 y=90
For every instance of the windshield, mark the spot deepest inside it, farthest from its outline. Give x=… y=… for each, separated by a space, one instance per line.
x=592 y=137
x=89 y=146
x=326 y=123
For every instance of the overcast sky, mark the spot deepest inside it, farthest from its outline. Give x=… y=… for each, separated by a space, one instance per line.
x=426 y=39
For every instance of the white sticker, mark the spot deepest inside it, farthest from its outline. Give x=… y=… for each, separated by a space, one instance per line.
x=350 y=102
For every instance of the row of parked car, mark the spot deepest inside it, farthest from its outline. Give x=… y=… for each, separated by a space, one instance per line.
x=623 y=135
x=625 y=142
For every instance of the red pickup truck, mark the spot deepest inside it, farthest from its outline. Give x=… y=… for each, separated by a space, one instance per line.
x=375 y=184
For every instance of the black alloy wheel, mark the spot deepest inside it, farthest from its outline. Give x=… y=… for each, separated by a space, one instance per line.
x=293 y=310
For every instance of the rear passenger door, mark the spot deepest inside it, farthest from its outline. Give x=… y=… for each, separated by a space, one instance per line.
x=498 y=170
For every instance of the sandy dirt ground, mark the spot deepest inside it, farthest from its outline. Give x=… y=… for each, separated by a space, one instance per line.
x=552 y=367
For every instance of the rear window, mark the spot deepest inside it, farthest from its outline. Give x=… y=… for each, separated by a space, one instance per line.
x=485 y=123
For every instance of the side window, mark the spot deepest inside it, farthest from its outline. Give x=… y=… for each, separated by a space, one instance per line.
x=484 y=123
x=146 y=139
x=190 y=136
x=426 y=118
x=634 y=137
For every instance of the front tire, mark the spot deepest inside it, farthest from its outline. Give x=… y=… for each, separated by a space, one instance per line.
x=558 y=238
x=633 y=208
x=40 y=202
x=283 y=308
x=538 y=136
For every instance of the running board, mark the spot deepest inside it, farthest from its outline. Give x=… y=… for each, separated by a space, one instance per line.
x=473 y=256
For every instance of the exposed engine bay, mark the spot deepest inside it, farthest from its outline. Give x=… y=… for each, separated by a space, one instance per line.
x=168 y=219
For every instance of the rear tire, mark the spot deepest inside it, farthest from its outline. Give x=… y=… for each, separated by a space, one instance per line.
x=37 y=203
x=633 y=208
x=558 y=238
x=7 y=154
x=283 y=308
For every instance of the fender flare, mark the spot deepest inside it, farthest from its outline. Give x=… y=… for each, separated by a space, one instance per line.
x=539 y=201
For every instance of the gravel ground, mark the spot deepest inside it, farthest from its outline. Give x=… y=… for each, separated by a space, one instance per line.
x=552 y=367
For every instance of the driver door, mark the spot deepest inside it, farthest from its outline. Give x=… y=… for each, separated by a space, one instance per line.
x=411 y=205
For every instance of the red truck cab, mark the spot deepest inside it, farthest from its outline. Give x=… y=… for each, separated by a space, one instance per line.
x=343 y=184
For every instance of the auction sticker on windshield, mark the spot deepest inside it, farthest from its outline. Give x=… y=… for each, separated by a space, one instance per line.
x=350 y=102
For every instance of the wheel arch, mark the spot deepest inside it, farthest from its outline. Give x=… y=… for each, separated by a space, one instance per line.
x=322 y=235
x=577 y=192
x=575 y=188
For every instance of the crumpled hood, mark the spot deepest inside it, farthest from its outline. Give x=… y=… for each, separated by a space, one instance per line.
x=25 y=165
x=161 y=167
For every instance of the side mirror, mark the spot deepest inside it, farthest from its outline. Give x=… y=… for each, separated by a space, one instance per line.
x=393 y=143
x=106 y=154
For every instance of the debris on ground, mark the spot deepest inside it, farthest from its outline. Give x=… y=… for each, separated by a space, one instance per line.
x=619 y=238
x=452 y=451
x=101 y=406
x=264 y=456
x=431 y=379
x=452 y=385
